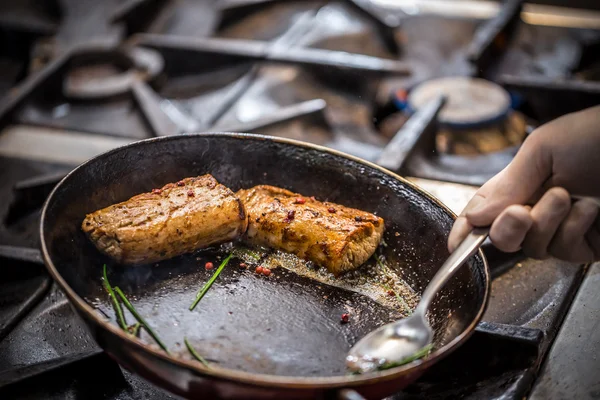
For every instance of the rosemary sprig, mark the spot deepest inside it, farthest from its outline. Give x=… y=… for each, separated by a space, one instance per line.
x=208 y=284
x=116 y=304
x=195 y=353
x=419 y=354
x=140 y=319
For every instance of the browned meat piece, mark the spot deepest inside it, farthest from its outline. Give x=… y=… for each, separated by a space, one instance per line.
x=330 y=235
x=180 y=218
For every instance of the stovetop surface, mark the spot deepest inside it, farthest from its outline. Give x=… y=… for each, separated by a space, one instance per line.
x=270 y=85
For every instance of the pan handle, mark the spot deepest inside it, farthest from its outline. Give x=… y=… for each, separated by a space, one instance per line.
x=349 y=394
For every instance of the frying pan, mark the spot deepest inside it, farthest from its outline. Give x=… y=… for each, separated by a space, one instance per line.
x=279 y=337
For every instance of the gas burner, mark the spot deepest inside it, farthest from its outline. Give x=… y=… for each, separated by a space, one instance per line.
x=478 y=116
x=508 y=133
x=103 y=75
x=467 y=138
x=471 y=102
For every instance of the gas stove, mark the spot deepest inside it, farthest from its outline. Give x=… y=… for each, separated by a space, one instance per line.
x=443 y=95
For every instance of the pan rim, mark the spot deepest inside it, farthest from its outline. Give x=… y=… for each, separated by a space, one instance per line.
x=262 y=380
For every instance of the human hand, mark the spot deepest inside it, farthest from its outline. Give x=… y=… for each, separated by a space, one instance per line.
x=529 y=204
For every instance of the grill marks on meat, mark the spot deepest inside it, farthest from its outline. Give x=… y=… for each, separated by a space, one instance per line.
x=179 y=218
x=330 y=235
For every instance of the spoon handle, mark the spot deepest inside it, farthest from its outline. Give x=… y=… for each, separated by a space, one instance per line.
x=465 y=249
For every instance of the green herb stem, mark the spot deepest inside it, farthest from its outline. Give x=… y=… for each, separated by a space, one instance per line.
x=379 y=262
x=195 y=353
x=208 y=284
x=140 y=319
x=116 y=304
x=402 y=301
x=419 y=354
x=134 y=329
x=252 y=254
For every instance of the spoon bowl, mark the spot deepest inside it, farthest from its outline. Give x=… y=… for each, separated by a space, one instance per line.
x=394 y=341
x=410 y=338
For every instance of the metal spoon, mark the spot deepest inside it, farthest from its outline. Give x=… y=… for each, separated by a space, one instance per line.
x=398 y=341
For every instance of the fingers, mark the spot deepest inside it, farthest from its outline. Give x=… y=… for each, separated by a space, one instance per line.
x=547 y=216
x=459 y=231
x=571 y=240
x=518 y=183
x=510 y=228
x=553 y=227
x=462 y=226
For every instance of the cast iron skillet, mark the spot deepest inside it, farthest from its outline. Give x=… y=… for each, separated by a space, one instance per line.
x=279 y=337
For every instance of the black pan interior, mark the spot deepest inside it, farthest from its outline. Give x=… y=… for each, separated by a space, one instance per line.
x=284 y=324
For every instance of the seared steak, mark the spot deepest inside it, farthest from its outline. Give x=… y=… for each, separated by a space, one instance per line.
x=330 y=235
x=179 y=218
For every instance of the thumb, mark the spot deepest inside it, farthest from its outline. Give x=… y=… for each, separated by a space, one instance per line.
x=515 y=184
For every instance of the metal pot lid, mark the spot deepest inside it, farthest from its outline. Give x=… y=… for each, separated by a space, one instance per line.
x=470 y=102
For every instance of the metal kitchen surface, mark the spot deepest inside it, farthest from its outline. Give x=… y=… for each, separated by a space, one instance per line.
x=399 y=83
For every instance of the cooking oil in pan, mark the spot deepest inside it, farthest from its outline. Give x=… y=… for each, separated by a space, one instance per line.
x=374 y=279
x=256 y=323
